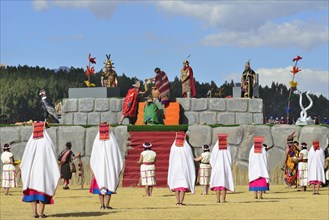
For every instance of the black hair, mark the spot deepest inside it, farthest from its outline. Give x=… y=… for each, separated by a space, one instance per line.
x=69 y=145
x=156 y=69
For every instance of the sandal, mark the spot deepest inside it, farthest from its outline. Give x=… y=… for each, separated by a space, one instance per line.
x=36 y=216
x=109 y=207
x=183 y=204
x=43 y=216
x=178 y=203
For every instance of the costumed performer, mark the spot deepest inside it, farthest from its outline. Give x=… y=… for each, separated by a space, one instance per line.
x=187 y=79
x=8 y=169
x=152 y=114
x=129 y=107
x=162 y=85
x=181 y=171
x=302 y=166
x=109 y=76
x=316 y=159
x=248 y=81
x=65 y=158
x=106 y=163
x=221 y=178
x=39 y=170
x=147 y=169
x=204 y=169
x=289 y=166
x=257 y=169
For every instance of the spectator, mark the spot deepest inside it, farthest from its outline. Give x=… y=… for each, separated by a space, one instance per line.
x=8 y=169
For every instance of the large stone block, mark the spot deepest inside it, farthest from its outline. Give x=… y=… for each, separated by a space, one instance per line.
x=281 y=132
x=68 y=118
x=94 y=118
x=121 y=133
x=237 y=105
x=52 y=132
x=199 y=104
x=314 y=132
x=116 y=104
x=258 y=118
x=90 y=138
x=10 y=135
x=70 y=105
x=74 y=134
x=17 y=149
x=86 y=105
x=208 y=118
x=199 y=135
x=226 y=118
x=256 y=105
x=250 y=131
x=243 y=118
x=102 y=104
x=26 y=132
x=275 y=158
x=217 y=104
x=192 y=118
x=235 y=134
x=185 y=103
x=109 y=117
x=80 y=118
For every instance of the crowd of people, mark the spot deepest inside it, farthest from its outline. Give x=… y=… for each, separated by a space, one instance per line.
x=40 y=172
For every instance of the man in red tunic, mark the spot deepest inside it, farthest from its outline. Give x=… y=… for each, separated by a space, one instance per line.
x=129 y=107
x=188 y=87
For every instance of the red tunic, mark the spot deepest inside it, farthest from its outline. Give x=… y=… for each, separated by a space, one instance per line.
x=162 y=84
x=129 y=108
x=191 y=77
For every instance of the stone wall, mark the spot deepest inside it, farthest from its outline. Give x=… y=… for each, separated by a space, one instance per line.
x=240 y=139
x=92 y=111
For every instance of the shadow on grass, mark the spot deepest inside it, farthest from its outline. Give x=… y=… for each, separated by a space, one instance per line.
x=81 y=214
x=259 y=200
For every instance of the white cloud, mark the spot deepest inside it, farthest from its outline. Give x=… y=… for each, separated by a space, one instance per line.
x=290 y=34
x=102 y=9
x=238 y=15
x=40 y=5
x=316 y=81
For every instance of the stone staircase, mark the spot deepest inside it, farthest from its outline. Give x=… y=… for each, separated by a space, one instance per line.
x=161 y=144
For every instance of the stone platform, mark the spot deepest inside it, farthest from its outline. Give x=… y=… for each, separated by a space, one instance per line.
x=94 y=92
x=227 y=111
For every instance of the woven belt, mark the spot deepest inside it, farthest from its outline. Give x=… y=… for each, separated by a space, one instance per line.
x=148 y=163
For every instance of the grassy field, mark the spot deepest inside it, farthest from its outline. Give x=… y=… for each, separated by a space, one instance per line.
x=279 y=203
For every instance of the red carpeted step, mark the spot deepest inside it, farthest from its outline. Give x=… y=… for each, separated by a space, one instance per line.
x=161 y=144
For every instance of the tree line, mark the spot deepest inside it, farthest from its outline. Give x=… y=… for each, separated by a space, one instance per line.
x=20 y=86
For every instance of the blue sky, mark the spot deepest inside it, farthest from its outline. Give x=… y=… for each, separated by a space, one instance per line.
x=141 y=35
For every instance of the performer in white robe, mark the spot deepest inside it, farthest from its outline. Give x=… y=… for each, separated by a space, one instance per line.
x=257 y=169
x=39 y=170
x=106 y=163
x=316 y=167
x=221 y=178
x=181 y=172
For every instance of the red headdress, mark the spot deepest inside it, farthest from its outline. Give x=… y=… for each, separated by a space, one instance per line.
x=104 y=131
x=316 y=145
x=180 y=138
x=38 y=128
x=258 y=144
x=222 y=141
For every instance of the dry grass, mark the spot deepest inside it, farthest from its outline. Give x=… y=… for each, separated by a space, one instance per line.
x=279 y=203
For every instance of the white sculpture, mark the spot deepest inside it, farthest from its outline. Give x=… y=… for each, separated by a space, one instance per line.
x=303 y=119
